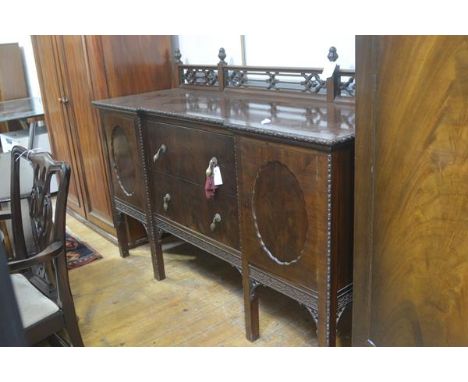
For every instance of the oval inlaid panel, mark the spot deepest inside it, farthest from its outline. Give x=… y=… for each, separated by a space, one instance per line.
x=122 y=157
x=279 y=213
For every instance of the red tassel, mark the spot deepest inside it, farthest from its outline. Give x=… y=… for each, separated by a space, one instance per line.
x=210 y=187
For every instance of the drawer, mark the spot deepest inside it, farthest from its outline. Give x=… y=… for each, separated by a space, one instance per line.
x=122 y=153
x=188 y=152
x=188 y=206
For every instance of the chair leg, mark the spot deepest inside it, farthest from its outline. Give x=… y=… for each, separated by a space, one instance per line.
x=121 y=230
x=71 y=323
x=71 y=326
x=252 y=325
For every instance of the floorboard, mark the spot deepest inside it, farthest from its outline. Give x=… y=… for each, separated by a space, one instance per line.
x=199 y=303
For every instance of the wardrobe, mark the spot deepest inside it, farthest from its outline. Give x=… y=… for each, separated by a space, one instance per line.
x=411 y=195
x=75 y=70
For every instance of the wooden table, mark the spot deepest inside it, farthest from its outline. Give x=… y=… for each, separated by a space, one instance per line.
x=20 y=110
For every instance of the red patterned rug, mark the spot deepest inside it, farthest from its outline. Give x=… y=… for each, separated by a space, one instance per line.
x=79 y=253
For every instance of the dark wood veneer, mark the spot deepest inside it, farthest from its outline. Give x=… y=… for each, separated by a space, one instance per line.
x=189 y=151
x=411 y=242
x=307 y=180
x=189 y=207
x=286 y=202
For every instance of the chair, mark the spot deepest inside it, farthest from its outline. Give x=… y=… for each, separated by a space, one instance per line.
x=11 y=329
x=26 y=181
x=42 y=315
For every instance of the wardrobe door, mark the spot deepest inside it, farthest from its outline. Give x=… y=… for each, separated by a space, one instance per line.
x=411 y=225
x=55 y=100
x=84 y=124
x=136 y=64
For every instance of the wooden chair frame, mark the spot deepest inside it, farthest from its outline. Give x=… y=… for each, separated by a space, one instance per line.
x=48 y=236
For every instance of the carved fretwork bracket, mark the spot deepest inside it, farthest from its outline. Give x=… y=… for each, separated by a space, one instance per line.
x=343 y=301
x=253 y=285
x=129 y=210
x=314 y=313
x=118 y=218
x=160 y=233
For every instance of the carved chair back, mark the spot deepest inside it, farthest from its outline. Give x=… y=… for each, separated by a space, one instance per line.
x=47 y=225
x=48 y=234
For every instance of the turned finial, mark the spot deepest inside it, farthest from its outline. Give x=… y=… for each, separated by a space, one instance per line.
x=222 y=55
x=177 y=56
x=332 y=54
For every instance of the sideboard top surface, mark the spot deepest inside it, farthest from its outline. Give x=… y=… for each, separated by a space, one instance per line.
x=313 y=121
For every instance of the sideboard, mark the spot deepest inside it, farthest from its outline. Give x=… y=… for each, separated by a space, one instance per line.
x=253 y=165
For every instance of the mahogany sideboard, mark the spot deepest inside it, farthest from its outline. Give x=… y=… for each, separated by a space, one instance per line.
x=283 y=140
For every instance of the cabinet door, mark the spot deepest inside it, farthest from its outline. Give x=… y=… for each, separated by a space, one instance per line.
x=63 y=148
x=411 y=242
x=84 y=126
x=283 y=191
x=124 y=160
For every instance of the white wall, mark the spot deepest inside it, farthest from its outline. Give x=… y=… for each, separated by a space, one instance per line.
x=269 y=50
x=308 y=51
x=24 y=42
x=203 y=49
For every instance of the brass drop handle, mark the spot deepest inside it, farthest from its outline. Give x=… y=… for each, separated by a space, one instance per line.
x=213 y=163
x=162 y=149
x=166 y=200
x=216 y=219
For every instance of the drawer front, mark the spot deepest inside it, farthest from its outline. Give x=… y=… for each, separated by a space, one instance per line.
x=283 y=191
x=185 y=203
x=122 y=154
x=186 y=153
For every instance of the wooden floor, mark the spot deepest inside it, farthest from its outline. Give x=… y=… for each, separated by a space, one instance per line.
x=199 y=303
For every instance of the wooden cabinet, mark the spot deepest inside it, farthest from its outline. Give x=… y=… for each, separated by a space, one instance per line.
x=73 y=71
x=282 y=212
x=411 y=242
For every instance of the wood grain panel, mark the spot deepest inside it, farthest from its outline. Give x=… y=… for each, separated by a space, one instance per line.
x=136 y=64
x=126 y=123
x=189 y=151
x=84 y=123
x=309 y=169
x=413 y=200
x=45 y=52
x=189 y=207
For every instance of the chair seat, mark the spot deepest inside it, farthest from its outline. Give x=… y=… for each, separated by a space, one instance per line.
x=33 y=305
